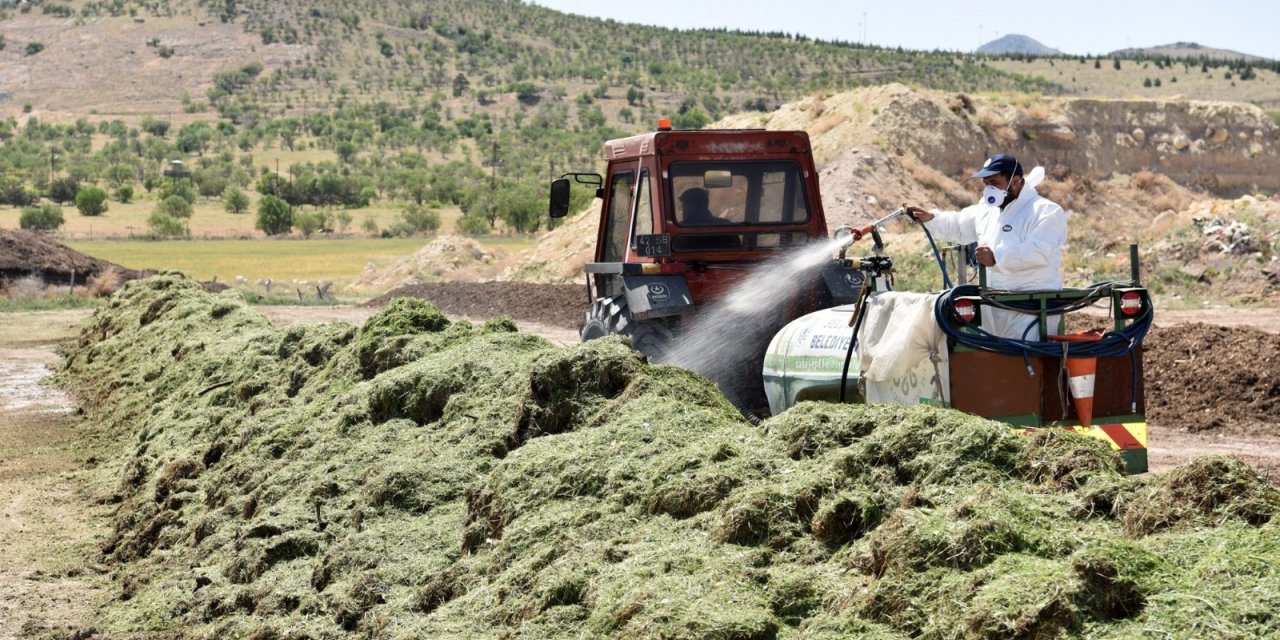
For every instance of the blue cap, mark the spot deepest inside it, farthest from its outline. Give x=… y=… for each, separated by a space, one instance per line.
x=1000 y=163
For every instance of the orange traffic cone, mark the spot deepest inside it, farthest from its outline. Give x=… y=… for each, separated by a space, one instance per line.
x=1081 y=374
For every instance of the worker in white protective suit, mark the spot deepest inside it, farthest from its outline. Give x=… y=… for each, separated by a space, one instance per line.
x=1020 y=236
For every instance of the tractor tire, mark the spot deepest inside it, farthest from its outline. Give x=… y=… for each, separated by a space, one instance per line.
x=610 y=317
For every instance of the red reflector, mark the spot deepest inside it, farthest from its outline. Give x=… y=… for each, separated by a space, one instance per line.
x=1130 y=303
x=965 y=310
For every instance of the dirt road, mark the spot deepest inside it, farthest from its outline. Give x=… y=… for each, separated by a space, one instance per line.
x=49 y=527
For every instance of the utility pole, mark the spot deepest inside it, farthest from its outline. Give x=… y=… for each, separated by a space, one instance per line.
x=493 y=186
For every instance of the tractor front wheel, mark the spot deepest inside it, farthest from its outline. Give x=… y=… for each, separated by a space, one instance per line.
x=609 y=316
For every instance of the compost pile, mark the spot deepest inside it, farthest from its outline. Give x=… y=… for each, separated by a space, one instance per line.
x=560 y=305
x=28 y=253
x=1204 y=377
x=417 y=477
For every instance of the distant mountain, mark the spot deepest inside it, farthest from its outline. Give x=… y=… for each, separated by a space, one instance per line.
x=1185 y=50
x=1014 y=43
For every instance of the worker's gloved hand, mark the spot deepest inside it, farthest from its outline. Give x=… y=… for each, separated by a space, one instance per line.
x=919 y=215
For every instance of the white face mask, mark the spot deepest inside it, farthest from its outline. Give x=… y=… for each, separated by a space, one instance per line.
x=993 y=196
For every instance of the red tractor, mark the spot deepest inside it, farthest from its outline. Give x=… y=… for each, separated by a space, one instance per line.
x=686 y=216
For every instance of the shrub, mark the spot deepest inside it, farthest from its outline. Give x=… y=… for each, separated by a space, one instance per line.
x=165 y=225
x=421 y=219
x=473 y=224
x=234 y=200
x=274 y=216
x=124 y=194
x=91 y=201
x=175 y=207
x=309 y=223
x=34 y=48
x=47 y=217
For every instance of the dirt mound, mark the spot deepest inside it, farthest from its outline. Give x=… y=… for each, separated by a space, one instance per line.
x=561 y=305
x=27 y=253
x=560 y=253
x=448 y=257
x=425 y=478
x=1203 y=377
x=1125 y=170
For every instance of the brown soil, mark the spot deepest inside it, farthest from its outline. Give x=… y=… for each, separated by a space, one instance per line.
x=558 y=305
x=49 y=526
x=1204 y=377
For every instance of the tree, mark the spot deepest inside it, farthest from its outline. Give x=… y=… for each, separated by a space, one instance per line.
x=234 y=200
x=47 y=217
x=14 y=192
x=180 y=188
x=274 y=216
x=158 y=128
x=346 y=151
x=91 y=201
x=460 y=85
x=119 y=174
x=521 y=207
x=63 y=190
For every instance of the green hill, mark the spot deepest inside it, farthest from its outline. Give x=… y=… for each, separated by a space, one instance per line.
x=468 y=104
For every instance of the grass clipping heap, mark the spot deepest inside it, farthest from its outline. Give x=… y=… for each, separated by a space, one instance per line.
x=418 y=478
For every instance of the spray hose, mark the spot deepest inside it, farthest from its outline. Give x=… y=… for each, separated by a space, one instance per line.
x=1112 y=344
x=937 y=256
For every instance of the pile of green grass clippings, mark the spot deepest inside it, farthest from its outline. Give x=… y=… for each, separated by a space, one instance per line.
x=421 y=478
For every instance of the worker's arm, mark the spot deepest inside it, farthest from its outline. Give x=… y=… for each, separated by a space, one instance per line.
x=949 y=226
x=1043 y=243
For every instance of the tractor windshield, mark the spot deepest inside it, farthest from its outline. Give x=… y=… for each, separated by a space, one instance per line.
x=738 y=193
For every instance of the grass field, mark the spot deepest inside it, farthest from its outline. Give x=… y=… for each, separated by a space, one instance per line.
x=124 y=221
x=283 y=261
x=280 y=260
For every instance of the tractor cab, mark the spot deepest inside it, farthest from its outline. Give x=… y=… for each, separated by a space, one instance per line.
x=686 y=215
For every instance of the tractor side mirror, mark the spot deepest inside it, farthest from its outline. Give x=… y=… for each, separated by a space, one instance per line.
x=559 y=198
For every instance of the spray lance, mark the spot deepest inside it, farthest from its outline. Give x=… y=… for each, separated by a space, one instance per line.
x=875 y=266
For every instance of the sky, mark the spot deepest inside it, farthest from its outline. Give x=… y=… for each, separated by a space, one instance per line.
x=1074 y=26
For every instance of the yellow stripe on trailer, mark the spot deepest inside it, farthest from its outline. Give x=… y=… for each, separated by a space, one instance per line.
x=1128 y=438
x=1120 y=435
